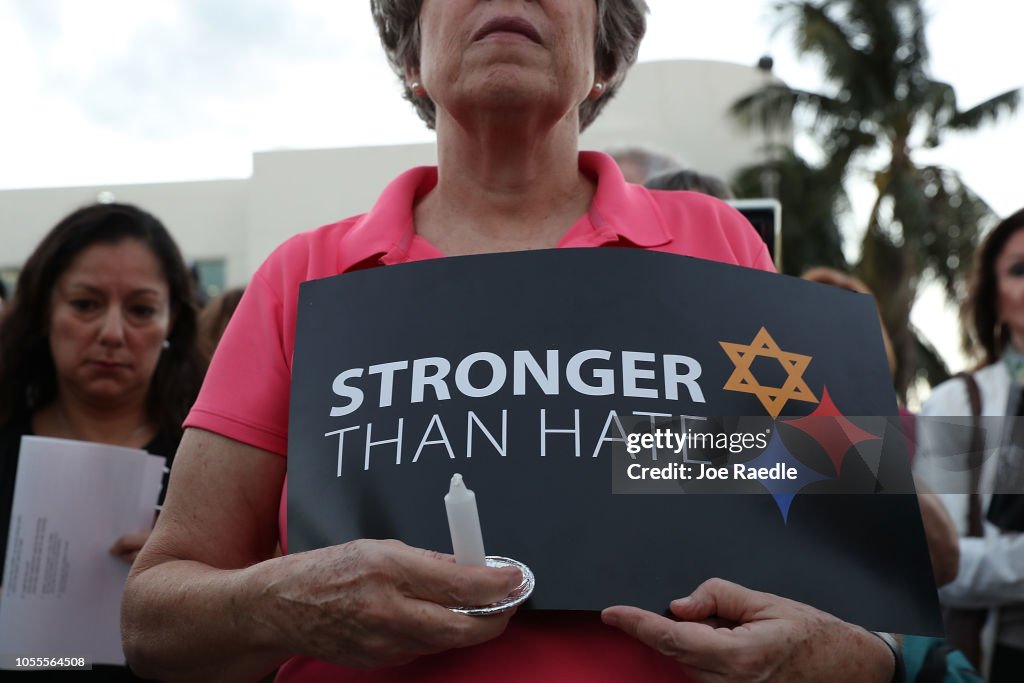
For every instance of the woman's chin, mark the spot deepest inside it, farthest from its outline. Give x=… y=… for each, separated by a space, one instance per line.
x=514 y=100
x=106 y=392
x=507 y=82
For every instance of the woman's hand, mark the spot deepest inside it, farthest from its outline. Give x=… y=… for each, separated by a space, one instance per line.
x=727 y=632
x=370 y=604
x=127 y=547
x=208 y=600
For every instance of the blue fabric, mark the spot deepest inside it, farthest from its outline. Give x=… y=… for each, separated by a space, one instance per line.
x=931 y=660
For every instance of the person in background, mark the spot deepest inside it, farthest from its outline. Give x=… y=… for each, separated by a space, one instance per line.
x=938 y=525
x=508 y=86
x=991 y=572
x=213 y=320
x=836 y=278
x=639 y=165
x=692 y=181
x=98 y=344
x=928 y=660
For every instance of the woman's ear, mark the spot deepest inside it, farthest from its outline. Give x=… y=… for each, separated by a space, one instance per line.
x=600 y=86
x=413 y=82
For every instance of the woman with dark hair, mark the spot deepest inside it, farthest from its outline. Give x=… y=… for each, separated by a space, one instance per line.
x=508 y=86
x=979 y=494
x=98 y=344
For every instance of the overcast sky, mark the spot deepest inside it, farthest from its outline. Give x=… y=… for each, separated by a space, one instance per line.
x=121 y=91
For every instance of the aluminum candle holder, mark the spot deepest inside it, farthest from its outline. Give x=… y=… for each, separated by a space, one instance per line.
x=517 y=597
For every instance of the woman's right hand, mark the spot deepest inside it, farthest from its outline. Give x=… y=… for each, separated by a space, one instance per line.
x=370 y=604
x=208 y=600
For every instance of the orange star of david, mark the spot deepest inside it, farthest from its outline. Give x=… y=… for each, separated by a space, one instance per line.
x=772 y=398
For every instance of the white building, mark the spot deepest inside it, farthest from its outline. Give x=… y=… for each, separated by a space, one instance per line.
x=229 y=226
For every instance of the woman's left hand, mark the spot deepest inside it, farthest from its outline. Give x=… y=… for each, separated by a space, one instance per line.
x=127 y=547
x=727 y=632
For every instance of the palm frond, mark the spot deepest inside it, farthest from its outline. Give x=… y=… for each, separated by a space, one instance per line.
x=812 y=200
x=937 y=105
x=930 y=365
x=990 y=110
x=820 y=35
x=772 y=106
x=946 y=235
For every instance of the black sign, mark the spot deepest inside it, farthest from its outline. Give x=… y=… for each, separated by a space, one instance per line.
x=549 y=378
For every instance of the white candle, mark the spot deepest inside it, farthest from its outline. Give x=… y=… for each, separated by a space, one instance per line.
x=464 y=524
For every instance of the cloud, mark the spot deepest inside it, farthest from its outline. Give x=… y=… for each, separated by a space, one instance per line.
x=161 y=70
x=40 y=19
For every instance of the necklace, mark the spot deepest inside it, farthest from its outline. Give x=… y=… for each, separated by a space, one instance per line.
x=1014 y=361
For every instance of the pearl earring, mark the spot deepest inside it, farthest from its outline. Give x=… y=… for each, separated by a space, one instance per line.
x=166 y=345
x=417 y=89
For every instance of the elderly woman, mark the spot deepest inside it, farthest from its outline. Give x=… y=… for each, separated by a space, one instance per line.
x=508 y=86
x=991 y=573
x=98 y=344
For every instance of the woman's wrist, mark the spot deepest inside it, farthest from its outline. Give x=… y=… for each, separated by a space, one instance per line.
x=868 y=658
x=894 y=648
x=205 y=629
x=256 y=609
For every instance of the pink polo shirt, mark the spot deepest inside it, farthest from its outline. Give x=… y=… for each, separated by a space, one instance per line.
x=246 y=392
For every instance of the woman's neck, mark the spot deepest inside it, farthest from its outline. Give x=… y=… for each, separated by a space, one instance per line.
x=503 y=189
x=125 y=424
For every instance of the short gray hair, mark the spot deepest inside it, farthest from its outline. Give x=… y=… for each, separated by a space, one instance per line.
x=693 y=181
x=620 y=28
x=647 y=161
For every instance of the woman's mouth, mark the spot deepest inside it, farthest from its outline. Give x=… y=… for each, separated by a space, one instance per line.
x=107 y=365
x=508 y=27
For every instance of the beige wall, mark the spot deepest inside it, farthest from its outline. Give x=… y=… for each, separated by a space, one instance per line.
x=295 y=191
x=207 y=218
x=678 y=107
x=682 y=107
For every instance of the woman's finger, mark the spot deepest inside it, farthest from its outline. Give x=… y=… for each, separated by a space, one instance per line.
x=436 y=578
x=129 y=543
x=722 y=599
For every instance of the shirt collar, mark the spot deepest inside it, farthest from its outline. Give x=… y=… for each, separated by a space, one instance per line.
x=619 y=212
x=622 y=210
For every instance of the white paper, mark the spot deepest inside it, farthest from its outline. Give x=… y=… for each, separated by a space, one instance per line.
x=61 y=586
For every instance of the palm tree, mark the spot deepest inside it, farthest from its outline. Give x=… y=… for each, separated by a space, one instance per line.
x=883 y=106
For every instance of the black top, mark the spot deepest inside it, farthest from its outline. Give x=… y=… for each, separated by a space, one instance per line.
x=10 y=444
